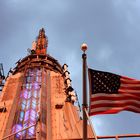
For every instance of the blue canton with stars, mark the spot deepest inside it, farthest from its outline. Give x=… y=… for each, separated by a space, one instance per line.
x=103 y=82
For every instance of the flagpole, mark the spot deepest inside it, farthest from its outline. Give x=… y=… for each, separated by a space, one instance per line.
x=84 y=56
x=95 y=136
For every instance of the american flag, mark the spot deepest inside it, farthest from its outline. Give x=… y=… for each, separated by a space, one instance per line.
x=111 y=93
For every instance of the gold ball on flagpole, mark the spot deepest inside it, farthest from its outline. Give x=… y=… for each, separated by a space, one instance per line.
x=84 y=47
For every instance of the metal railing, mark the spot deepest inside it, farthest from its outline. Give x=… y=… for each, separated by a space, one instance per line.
x=119 y=136
x=97 y=137
x=108 y=137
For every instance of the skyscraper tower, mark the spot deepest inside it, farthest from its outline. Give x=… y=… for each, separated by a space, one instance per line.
x=38 y=101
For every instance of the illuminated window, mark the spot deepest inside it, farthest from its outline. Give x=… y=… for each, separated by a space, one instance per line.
x=28 y=104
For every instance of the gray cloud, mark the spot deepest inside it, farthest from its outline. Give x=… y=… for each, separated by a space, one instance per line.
x=110 y=28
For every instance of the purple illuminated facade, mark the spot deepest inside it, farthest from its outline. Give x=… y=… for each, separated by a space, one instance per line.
x=29 y=104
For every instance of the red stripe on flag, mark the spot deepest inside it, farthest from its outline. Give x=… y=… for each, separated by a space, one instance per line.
x=129 y=81
x=114 y=110
x=105 y=96
x=116 y=104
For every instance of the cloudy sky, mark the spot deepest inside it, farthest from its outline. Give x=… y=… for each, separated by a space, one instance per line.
x=111 y=28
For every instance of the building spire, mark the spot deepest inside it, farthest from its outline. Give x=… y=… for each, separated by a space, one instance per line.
x=39 y=46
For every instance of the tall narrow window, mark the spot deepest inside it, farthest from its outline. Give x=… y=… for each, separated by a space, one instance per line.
x=28 y=105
